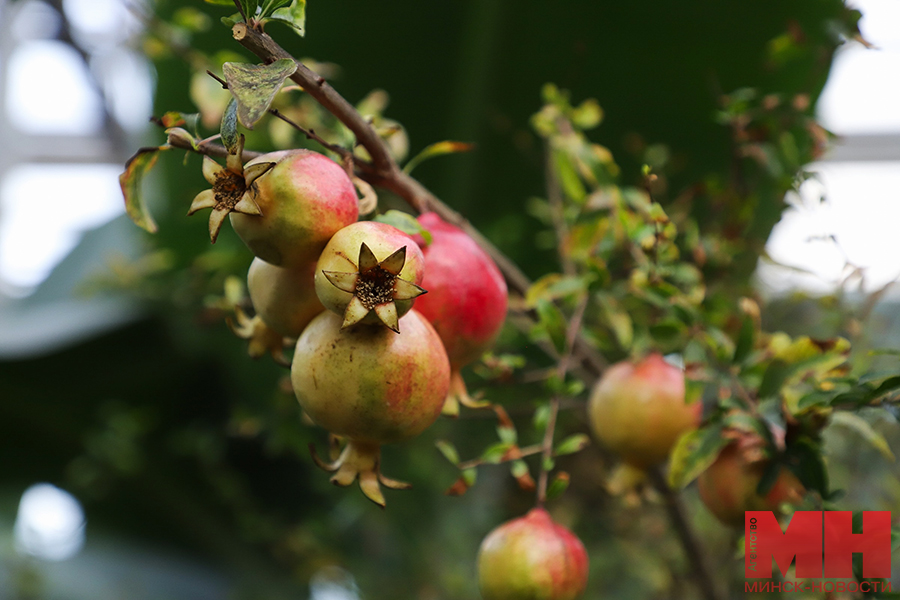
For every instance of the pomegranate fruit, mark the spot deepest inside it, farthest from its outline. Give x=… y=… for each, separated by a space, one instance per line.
x=370 y=386
x=466 y=301
x=285 y=299
x=532 y=557
x=638 y=410
x=304 y=200
x=369 y=273
x=728 y=487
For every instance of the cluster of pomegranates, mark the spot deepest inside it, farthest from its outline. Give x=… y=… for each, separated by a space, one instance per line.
x=377 y=359
x=367 y=366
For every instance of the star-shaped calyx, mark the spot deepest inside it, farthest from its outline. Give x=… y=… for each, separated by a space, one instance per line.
x=375 y=287
x=231 y=188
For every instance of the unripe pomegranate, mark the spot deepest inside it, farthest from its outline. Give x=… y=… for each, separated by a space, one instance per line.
x=369 y=273
x=303 y=200
x=638 y=410
x=532 y=557
x=285 y=299
x=466 y=300
x=728 y=487
x=371 y=386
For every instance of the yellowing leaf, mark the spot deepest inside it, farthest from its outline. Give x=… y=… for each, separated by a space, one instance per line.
x=436 y=149
x=130 y=182
x=254 y=86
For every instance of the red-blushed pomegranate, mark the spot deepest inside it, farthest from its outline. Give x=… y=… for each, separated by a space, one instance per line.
x=369 y=273
x=638 y=410
x=728 y=487
x=532 y=557
x=304 y=200
x=371 y=386
x=466 y=300
x=285 y=299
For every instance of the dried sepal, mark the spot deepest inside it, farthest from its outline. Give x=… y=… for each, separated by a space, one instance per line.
x=342 y=281
x=360 y=461
x=262 y=338
x=231 y=188
x=376 y=286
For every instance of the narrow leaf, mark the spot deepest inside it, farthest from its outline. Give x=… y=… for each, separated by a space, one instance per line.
x=130 y=182
x=572 y=444
x=448 y=450
x=254 y=86
x=228 y=129
x=864 y=429
x=693 y=453
x=559 y=485
x=436 y=149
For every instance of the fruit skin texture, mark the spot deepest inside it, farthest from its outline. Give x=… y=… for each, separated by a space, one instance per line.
x=285 y=299
x=530 y=558
x=305 y=199
x=728 y=487
x=467 y=296
x=638 y=410
x=370 y=384
x=342 y=255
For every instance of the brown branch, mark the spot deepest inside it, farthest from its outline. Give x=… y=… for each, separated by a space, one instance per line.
x=383 y=172
x=315 y=85
x=679 y=520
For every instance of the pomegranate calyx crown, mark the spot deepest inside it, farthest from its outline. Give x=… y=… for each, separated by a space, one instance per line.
x=375 y=286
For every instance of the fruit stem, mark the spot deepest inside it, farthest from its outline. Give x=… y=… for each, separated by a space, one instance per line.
x=561 y=369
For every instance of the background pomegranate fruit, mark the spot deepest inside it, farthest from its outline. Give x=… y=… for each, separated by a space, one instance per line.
x=370 y=293
x=285 y=299
x=728 y=487
x=371 y=386
x=532 y=557
x=304 y=200
x=638 y=410
x=466 y=300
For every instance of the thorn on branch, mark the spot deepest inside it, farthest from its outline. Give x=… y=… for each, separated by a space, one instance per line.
x=217 y=78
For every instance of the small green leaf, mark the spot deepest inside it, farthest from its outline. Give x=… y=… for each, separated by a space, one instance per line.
x=559 y=485
x=494 y=453
x=864 y=429
x=228 y=128
x=541 y=416
x=507 y=434
x=406 y=223
x=569 y=180
x=254 y=86
x=221 y=2
x=470 y=475
x=572 y=444
x=552 y=324
x=448 y=450
x=519 y=468
x=693 y=453
x=548 y=463
x=436 y=149
x=130 y=182
x=293 y=16
x=745 y=341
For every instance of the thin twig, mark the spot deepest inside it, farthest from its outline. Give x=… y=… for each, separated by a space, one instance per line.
x=679 y=520
x=561 y=369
